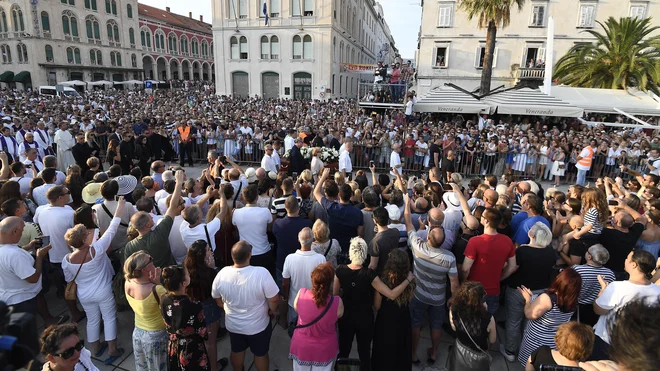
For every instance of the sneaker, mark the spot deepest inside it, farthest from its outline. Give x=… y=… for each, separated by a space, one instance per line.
x=509 y=356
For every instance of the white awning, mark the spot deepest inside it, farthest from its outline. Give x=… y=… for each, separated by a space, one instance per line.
x=633 y=101
x=73 y=83
x=449 y=100
x=129 y=82
x=100 y=82
x=531 y=102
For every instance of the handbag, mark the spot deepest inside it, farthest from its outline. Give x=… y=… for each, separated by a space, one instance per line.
x=70 y=292
x=561 y=165
x=293 y=326
x=465 y=358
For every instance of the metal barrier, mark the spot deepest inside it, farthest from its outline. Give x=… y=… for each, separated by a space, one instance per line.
x=382 y=93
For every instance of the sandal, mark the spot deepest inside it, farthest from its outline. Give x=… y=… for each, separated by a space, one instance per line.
x=111 y=359
x=223 y=362
x=102 y=350
x=429 y=360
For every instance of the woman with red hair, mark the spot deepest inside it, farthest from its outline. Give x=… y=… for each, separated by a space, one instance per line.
x=314 y=345
x=547 y=311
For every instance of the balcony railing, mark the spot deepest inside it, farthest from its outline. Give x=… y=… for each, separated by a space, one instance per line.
x=531 y=73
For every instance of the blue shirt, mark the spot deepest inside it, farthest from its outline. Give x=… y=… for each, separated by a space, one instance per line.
x=344 y=221
x=139 y=128
x=520 y=237
x=516 y=220
x=286 y=233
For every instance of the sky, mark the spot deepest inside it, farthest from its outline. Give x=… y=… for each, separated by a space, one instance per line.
x=402 y=16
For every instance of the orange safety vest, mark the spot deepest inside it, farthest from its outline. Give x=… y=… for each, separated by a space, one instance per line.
x=586 y=161
x=184 y=134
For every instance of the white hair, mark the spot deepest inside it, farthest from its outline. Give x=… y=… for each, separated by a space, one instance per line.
x=541 y=233
x=357 y=252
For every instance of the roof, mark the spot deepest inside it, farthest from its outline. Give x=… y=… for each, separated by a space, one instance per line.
x=533 y=102
x=173 y=19
x=449 y=100
x=633 y=101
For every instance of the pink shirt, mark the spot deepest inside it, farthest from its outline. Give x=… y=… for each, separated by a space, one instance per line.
x=394 y=78
x=318 y=344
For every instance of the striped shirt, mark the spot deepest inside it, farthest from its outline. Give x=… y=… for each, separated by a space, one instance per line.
x=591 y=217
x=590 y=285
x=432 y=266
x=277 y=206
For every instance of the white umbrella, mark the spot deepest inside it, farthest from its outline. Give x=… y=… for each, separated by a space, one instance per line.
x=100 y=82
x=73 y=83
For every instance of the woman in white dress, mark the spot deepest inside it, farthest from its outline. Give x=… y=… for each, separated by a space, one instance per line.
x=230 y=141
x=520 y=161
x=543 y=157
x=211 y=134
x=558 y=164
x=317 y=164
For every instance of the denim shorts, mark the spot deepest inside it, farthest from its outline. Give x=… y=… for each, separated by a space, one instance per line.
x=419 y=160
x=419 y=309
x=212 y=311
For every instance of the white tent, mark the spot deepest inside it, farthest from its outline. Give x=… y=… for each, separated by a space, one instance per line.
x=73 y=83
x=155 y=81
x=449 y=100
x=532 y=102
x=129 y=82
x=100 y=82
x=610 y=101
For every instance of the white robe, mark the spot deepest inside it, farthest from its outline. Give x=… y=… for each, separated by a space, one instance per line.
x=65 y=142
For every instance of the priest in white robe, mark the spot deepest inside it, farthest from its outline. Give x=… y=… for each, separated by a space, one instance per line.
x=64 y=141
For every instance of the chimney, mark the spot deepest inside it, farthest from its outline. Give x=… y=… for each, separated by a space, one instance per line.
x=167 y=9
x=201 y=18
x=189 y=14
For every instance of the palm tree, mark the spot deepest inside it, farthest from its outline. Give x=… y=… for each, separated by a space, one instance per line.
x=623 y=56
x=490 y=15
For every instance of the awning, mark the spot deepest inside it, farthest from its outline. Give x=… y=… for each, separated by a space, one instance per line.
x=449 y=100
x=73 y=83
x=633 y=101
x=23 y=77
x=531 y=102
x=7 y=76
x=100 y=82
x=129 y=82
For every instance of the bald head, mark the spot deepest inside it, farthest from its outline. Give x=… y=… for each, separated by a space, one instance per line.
x=524 y=187
x=491 y=197
x=305 y=237
x=471 y=223
x=576 y=222
x=436 y=217
x=261 y=173
x=11 y=229
x=234 y=174
x=241 y=253
x=436 y=237
x=434 y=174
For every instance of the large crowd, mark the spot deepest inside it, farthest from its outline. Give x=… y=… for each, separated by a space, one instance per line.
x=419 y=221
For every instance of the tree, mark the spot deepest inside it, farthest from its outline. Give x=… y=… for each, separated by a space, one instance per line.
x=623 y=56
x=490 y=14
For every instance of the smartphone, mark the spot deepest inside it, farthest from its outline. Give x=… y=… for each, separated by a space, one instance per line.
x=116 y=198
x=45 y=240
x=559 y=368
x=371 y=164
x=612 y=202
x=295 y=175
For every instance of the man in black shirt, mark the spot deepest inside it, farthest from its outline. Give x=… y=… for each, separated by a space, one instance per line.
x=620 y=238
x=81 y=152
x=435 y=153
x=469 y=229
x=448 y=166
x=334 y=142
x=127 y=152
x=386 y=240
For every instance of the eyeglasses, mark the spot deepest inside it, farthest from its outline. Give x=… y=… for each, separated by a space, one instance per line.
x=68 y=353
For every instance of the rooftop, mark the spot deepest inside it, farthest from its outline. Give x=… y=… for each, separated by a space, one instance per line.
x=174 y=19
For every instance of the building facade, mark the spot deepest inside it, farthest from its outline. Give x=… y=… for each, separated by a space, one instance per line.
x=298 y=54
x=46 y=42
x=451 y=48
x=175 y=47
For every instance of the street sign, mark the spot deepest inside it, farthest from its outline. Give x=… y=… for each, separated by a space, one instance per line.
x=148 y=85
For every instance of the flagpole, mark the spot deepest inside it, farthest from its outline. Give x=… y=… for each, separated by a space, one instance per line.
x=235 y=2
x=549 y=56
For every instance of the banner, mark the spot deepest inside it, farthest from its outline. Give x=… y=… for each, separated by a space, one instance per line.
x=348 y=67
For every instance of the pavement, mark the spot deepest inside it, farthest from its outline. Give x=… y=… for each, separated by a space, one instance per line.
x=279 y=345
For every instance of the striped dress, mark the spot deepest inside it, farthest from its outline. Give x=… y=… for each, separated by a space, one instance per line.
x=542 y=330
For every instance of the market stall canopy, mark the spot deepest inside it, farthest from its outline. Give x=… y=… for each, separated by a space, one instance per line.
x=446 y=99
x=73 y=83
x=100 y=82
x=531 y=102
x=22 y=77
x=632 y=101
x=7 y=76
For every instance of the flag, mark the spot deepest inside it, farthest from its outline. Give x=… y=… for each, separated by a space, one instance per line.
x=266 y=12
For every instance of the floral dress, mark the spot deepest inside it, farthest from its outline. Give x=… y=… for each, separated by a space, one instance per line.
x=184 y=321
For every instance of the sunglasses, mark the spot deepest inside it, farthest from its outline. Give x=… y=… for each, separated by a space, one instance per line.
x=68 y=353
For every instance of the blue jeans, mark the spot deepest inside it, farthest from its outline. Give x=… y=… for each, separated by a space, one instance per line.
x=581 y=177
x=493 y=302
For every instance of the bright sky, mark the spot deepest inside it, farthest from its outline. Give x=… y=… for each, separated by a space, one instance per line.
x=403 y=17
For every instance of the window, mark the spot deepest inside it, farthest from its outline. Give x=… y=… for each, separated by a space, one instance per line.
x=274 y=47
x=70 y=2
x=205 y=49
x=538 y=16
x=49 y=54
x=90 y=4
x=265 y=47
x=93 y=29
x=242 y=9
x=129 y=11
x=444 y=15
x=45 y=22
x=233 y=48
x=73 y=55
x=481 y=55
x=244 y=47
x=441 y=56
x=172 y=43
x=308 y=8
x=95 y=57
x=17 y=17
x=587 y=16
x=69 y=25
x=296 y=8
x=113 y=32
x=194 y=47
x=184 y=45
x=3 y=21
x=297 y=47
x=534 y=55
x=115 y=59
x=274 y=8
x=133 y=60
x=6 y=53
x=307 y=47
x=145 y=38
x=334 y=50
x=114 y=7
x=637 y=11
x=22 y=53
x=159 y=43
x=131 y=37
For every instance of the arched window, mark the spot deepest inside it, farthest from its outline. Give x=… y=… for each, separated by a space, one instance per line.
x=73 y=55
x=244 y=47
x=205 y=49
x=172 y=43
x=211 y=47
x=6 y=53
x=297 y=47
x=22 y=53
x=69 y=25
x=95 y=57
x=49 y=54
x=17 y=18
x=307 y=47
x=194 y=47
x=113 y=32
x=93 y=29
x=90 y=4
x=133 y=60
x=145 y=38
x=308 y=8
x=45 y=22
x=129 y=11
x=160 y=41
x=233 y=48
x=3 y=21
x=131 y=37
x=111 y=7
x=265 y=47
x=184 y=46
x=334 y=49
x=114 y=7
x=70 y=2
x=115 y=59
x=274 y=47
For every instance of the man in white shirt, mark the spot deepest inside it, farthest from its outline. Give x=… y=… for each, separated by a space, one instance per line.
x=249 y=297
x=26 y=128
x=42 y=138
x=245 y=129
x=39 y=193
x=298 y=269
x=289 y=140
x=345 y=164
x=20 y=176
x=65 y=142
x=395 y=159
x=50 y=162
x=31 y=161
x=421 y=150
x=267 y=162
x=55 y=219
x=409 y=109
x=193 y=229
x=252 y=223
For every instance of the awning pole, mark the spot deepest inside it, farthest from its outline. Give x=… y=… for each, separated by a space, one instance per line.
x=631 y=117
x=646 y=126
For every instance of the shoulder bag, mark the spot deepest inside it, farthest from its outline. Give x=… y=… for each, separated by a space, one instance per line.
x=112 y=216
x=465 y=358
x=70 y=292
x=293 y=326
x=155 y=292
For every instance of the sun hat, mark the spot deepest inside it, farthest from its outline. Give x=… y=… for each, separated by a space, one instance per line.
x=251 y=175
x=394 y=212
x=451 y=201
x=272 y=175
x=92 y=193
x=127 y=184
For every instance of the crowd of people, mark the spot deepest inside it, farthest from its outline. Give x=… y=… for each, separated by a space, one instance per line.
x=331 y=252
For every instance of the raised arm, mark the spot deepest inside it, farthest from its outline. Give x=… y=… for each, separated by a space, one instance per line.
x=103 y=243
x=173 y=210
x=318 y=195
x=5 y=172
x=467 y=213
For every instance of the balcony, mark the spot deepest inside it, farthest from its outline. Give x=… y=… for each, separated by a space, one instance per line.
x=530 y=74
x=46 y=34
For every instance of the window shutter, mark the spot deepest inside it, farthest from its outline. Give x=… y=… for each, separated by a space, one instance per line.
x=307 y=47
x=242 y=9
x=541 y=54
x=232 y=9
x=295 y=8
x=274 y=7
x=495 y=57
x=477 y=56
x=309 y=5
x=297 y=47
